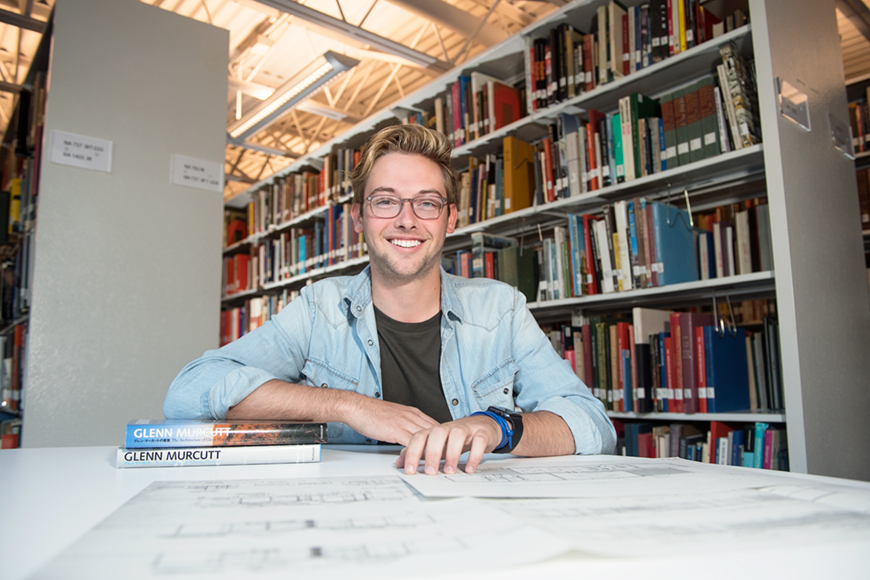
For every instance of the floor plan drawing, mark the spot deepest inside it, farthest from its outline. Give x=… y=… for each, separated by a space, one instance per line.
x=338 y=528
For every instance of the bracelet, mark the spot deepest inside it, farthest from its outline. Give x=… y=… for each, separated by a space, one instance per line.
x=506 y=432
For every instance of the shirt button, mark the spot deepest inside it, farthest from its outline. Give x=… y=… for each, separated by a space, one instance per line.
x=377 y=395
x=506 y=391
x=324 y=386
x=359 y=308
x=371 y=343
x=368 y=440
x=454 y=402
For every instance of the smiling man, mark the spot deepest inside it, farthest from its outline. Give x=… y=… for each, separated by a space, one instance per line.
x=404 y=352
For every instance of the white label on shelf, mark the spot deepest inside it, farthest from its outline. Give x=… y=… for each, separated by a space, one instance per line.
x=589 y=77
x=711 y=394
x=81 y=151
x=683 y=148
x=197 y=173
x=695 y=144
x=655 y=41
x=689 y=35
x=710 y=138
x=661 y=394
x=670 y=393
x=687 y=394
x=590 y=278
x=635 y=270
x=641 y=393
x=671 y=152
x=678 y=393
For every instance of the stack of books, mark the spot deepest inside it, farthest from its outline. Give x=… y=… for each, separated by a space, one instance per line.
x=179 y=443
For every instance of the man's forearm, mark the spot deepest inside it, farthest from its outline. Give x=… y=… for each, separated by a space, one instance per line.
x=545 y=434
x=278 y=400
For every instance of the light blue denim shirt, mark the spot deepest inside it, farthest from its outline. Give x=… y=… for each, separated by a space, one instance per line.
x=492 y=353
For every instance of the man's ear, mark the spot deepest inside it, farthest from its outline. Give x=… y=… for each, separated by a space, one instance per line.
x=452 y=216
x=356 y=213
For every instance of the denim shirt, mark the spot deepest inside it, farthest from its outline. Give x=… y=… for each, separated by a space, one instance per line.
x=492 y=353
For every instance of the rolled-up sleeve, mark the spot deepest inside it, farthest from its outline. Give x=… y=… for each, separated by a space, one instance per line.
x=546 y=382
x=207 y=387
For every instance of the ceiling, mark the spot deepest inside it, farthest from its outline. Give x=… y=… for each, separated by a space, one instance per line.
x=271 y=40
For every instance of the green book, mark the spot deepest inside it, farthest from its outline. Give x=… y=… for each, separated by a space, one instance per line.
x=682 y=127
x=617 y=148
x=641 y=107
x=709 y=119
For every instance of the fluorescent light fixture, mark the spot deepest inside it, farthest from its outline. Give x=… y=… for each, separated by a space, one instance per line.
x=313 y=77
x=317 y=109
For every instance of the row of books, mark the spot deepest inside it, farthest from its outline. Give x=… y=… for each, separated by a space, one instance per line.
x=181 y=443
x=675 y=362
x=295 y=251
x=12 y=344
x=236 y=321
x=621 y=41
x=859 y=119
x=863 y=177
x=759 y=445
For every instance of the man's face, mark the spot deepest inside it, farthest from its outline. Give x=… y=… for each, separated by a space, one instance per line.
x=405 y=247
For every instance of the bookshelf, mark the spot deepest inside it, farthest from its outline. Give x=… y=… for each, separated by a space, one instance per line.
x=22 y=155
x=126 y=261
x=822 y=311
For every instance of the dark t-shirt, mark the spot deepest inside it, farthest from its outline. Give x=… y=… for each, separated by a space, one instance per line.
x=410 y=362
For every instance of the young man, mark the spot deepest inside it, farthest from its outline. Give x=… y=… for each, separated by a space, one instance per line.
x=404 y=352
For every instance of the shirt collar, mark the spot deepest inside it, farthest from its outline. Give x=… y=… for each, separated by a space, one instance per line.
x=358 y=295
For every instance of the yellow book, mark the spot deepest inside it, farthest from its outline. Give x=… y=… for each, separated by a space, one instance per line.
x=14 y=205
x=682 y=6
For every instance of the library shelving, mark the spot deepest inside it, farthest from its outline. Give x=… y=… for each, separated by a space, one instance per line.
x=822 y=313
x=22 y=155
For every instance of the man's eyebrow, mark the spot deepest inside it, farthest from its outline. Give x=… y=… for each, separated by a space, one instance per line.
x=385 y=189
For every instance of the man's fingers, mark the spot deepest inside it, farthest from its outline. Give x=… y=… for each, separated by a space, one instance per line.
x=475 y=454
x=435 y=448
x=456 y=443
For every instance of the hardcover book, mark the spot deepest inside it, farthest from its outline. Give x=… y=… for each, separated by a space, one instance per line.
x=148 y=433
x=199 y=456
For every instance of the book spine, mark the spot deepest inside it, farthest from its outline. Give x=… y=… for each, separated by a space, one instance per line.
x=197 y=456
x=193 y=434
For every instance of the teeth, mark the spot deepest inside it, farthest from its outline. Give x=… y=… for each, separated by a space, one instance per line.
x=406 y=243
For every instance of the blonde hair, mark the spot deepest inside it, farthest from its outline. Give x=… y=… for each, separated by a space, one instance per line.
x=412 y=140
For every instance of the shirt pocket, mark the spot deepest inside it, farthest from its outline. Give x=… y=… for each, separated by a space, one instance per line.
x=317 y=374
x=496 y=387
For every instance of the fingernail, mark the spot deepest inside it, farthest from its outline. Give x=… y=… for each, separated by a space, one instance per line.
x=469 y=469
x=448 y=469
x=430 y=470
x=410 y=469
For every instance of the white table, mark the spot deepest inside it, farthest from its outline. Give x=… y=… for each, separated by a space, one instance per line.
x=53 y=496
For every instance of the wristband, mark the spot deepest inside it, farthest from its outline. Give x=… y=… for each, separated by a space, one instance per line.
x=511 y=425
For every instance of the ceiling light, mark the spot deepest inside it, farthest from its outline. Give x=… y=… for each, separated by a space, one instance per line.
x=312 y=78
x=310 y=106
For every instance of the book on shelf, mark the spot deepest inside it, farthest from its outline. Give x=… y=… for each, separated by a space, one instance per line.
x=755 y=445
x=149 y=433
x=202 y=456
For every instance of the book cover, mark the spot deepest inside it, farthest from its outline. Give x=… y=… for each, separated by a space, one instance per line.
x=156 y=433
x=674 y=245
x=647 y=322
x=200 y=456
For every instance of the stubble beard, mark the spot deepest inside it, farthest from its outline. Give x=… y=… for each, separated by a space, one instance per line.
x=392 y=271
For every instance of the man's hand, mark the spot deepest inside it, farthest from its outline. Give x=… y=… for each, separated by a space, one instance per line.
x=477 y=434
x=385 y=421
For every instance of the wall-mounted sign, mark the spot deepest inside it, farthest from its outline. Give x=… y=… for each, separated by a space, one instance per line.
x=81 y=151
x=197 y=173
x=793 y=104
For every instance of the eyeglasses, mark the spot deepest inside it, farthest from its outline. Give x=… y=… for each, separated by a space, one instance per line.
x=389 y=206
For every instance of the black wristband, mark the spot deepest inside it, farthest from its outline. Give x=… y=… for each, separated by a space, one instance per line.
x=516 y=421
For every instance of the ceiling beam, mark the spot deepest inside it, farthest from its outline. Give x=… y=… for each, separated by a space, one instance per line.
x=373 y=40
x=858 y=14
x=9 y=87
x=455 y=19
x=24 y=22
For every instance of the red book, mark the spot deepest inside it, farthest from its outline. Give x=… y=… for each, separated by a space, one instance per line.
x=624 y=341
x=506 y=105
x=688 y=322
x=669 y=370
x=767 y=461
x=592 y=280
x=230 y=276
x=676 y=379
x=634 y=394
x=489 y=265
x=241 y=264
x=718 y=429
x=548 y=170
x=646 y=446
x=701 y=369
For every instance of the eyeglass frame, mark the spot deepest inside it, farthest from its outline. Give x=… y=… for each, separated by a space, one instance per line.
x=410 y=200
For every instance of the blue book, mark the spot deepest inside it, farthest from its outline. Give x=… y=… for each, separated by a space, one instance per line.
x=627 y=400
x=662 y=147
x=736 y=444
x=727 y=371
x=758 y=450
x=148 y=433
x=663 y=375
x=674 y=245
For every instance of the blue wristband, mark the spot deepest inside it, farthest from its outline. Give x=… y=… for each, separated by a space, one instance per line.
x=506 y=432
